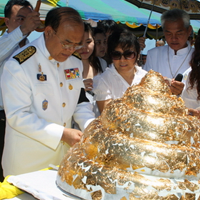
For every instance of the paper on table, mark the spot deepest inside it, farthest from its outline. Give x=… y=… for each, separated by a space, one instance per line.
x=41 y=184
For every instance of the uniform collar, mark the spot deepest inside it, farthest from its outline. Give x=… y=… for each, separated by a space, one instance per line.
x=182 y=51
x=42 y=47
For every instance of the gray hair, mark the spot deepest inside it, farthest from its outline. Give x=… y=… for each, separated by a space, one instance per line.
x=175 y=15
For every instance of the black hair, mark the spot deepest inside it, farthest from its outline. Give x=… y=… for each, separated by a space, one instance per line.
x=93 y=59
x=108 y=25
x=97 y=30
x=123 y=38
x=11 y=3
x=194 y=79
x=55 y=15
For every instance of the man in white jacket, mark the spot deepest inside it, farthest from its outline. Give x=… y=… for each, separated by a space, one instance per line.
x=172 y=59
x=42 y=90
x=20 y=20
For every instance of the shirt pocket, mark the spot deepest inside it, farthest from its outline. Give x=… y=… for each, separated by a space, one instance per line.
x=43 y=91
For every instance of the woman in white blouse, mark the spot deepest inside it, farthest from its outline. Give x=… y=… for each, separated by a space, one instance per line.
x=124 y=50
x=191 y=92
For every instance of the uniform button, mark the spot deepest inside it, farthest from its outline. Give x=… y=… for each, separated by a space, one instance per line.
x=64 y=124
x=58 y=65
x=50 y=58
x=64 y=104
x=70 y=87
x=61 y=84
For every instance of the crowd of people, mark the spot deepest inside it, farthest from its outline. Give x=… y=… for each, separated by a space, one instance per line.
x=71 y=72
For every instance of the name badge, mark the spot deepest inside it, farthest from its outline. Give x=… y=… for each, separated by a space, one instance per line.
x=72 y=73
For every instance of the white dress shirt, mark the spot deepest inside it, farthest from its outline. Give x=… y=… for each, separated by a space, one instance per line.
x=9 y=43
x=163 y=60
x=111 y=85
x=190 y=95
x=90 y=95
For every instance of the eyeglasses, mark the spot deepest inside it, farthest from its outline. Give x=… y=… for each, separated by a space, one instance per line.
x=128 y=55
x=67 y=45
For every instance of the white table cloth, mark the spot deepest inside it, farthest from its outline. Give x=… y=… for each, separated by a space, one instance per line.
x=39 y=185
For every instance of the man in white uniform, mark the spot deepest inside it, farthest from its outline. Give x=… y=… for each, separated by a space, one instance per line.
x=20 y=20
x=42 y=89
x=172 y=59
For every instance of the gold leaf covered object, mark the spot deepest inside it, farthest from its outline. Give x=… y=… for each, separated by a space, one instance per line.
x=143 y=146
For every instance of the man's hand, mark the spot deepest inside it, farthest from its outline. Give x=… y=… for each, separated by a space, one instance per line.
x=31 y=22
x=176 y=87
x=141 y=41
x=71 y=136
x=88 y=84
x=194 y=112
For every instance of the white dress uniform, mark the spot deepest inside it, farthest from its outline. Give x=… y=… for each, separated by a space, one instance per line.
x=190 y=95
x=40 y=97
x=111 y=85
x=163 y=60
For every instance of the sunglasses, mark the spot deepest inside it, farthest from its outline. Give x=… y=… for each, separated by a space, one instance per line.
x=117 y=55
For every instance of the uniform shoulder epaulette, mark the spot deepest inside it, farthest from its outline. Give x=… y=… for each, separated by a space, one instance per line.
x=25 y=54
x=77 y=55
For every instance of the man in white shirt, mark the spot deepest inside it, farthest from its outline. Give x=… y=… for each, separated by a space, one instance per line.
x=172 y=59
x=43 y=89
x=20 y=20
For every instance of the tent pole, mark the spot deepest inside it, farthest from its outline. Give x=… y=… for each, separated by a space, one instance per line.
x=148 y=20
x=144 y=35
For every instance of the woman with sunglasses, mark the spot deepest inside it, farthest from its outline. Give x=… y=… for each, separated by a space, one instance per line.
x=123 y=49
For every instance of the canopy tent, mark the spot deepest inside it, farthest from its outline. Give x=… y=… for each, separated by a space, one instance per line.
x=120 y=11
x=97 y=10
x=117 y=10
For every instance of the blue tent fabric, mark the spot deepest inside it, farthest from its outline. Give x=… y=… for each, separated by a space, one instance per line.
x=119 y=10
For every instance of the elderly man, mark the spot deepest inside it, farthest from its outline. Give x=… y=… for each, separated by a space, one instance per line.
x=42 y=90
x=172 y=59
x=20 y=20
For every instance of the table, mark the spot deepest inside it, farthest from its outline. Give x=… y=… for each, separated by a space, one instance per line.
x=40 y=185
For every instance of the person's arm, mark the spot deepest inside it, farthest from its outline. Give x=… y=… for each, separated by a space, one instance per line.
x=31 y=22
x=141 y=41
x=102 y=91
x=102 y=104
x=71 y=136
x=9 y=42
x=88 y=84
x=194 y=112
x=176 y=87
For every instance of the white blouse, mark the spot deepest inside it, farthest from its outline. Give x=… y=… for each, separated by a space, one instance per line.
x=111 y=85
x=190 y=95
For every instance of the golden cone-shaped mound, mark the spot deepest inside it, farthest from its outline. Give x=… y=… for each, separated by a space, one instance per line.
x=143 y=146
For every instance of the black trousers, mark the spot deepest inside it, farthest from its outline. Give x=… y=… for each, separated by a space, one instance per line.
x=2 y=135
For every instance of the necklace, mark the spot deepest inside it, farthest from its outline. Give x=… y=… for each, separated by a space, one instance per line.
x=179 y=66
